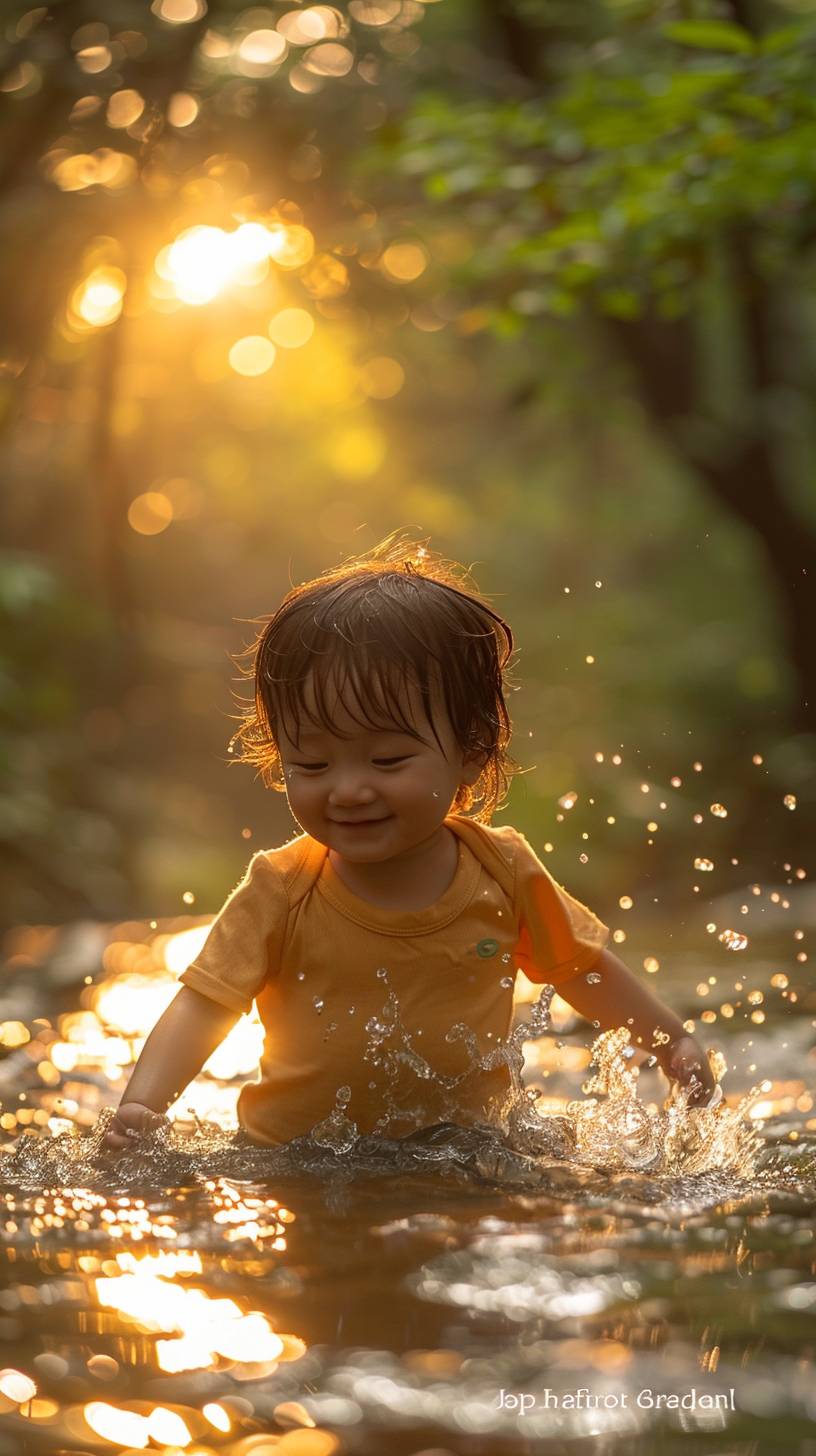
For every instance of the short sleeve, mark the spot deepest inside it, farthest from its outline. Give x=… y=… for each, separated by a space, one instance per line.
x=558 y=936
x=243 y=947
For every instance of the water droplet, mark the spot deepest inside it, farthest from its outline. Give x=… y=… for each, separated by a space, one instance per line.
x=382 y=972
x=153 y=924
x=318 y=1004
x=626 y=902
x=593 y=978
x=704 y=864
x=507 y=957
x=301 y=975
x=568 y=801
x=188 y=897
x=789 y=801
x=733 y=939
x=719 y=811
x=506 y=982
x=337 y=1133
x=651 y=964
x=352 y=1010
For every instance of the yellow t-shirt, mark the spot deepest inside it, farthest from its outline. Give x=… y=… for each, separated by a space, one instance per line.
x=295 y=939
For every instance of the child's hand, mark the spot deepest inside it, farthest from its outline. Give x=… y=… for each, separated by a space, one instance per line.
x=684 y=1061
x=129 y=1122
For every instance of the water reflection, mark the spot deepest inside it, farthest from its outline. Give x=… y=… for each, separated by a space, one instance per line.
x=605 y=1274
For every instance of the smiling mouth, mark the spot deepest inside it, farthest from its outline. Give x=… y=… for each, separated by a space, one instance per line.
x=358 y=823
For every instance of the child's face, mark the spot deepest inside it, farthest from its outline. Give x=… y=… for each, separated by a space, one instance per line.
x=374 y=794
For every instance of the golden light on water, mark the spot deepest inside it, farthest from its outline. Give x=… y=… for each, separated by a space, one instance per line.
x=168 y=1428
x=305 y=27
x=375 y=12
x=329 y=59
x=124 y=107
x=94 y=59
x=22 y=78
x=132 y=1004
x=239 y=1052
x=180 y=950
x=80 y=171
x=179 y=12
x=182 y=109
x=217 y=1416
x=16 y=1386
x=116 y=1425
x=14 y=1034
x=262 y=48
x=205 y=1327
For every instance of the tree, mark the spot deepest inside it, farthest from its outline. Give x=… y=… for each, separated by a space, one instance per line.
x=652 y=177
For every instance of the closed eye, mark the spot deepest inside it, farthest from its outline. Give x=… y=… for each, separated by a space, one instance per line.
x=379 y=762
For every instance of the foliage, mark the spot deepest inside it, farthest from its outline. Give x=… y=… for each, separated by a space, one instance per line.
x=614 y=184
x=554 y=266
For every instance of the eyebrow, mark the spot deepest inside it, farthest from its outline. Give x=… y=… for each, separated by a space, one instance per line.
x=374 y=733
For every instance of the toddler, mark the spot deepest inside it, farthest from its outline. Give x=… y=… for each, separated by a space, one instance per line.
x=379 y=710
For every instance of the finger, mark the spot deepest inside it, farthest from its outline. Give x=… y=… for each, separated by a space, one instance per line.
x=113 y=1142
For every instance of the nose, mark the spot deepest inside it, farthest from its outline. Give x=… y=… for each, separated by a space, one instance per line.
x=349 y=787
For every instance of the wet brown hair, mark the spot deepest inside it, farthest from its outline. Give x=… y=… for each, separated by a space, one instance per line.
x=396 y=615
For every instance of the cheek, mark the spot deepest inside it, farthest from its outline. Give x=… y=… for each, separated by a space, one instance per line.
x=296 y=786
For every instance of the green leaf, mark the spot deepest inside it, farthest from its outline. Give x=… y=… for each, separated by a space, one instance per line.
x=788 y=37
x=711 y=35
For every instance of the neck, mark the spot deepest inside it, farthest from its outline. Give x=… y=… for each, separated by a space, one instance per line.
x=415 y=878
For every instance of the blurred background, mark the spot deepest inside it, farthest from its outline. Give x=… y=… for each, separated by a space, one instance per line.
x=532 y=281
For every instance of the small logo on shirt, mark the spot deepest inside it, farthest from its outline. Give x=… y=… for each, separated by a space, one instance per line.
x=487 y=948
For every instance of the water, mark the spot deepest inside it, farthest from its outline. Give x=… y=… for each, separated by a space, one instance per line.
x=618 y=1272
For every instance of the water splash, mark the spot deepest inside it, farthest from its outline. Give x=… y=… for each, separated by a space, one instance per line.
x=609 y=1131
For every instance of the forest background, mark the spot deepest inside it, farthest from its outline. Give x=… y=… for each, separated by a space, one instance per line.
x=533 y=281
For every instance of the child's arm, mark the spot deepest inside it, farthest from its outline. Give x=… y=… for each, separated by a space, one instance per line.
x=619 y=996
x=178 y=1046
